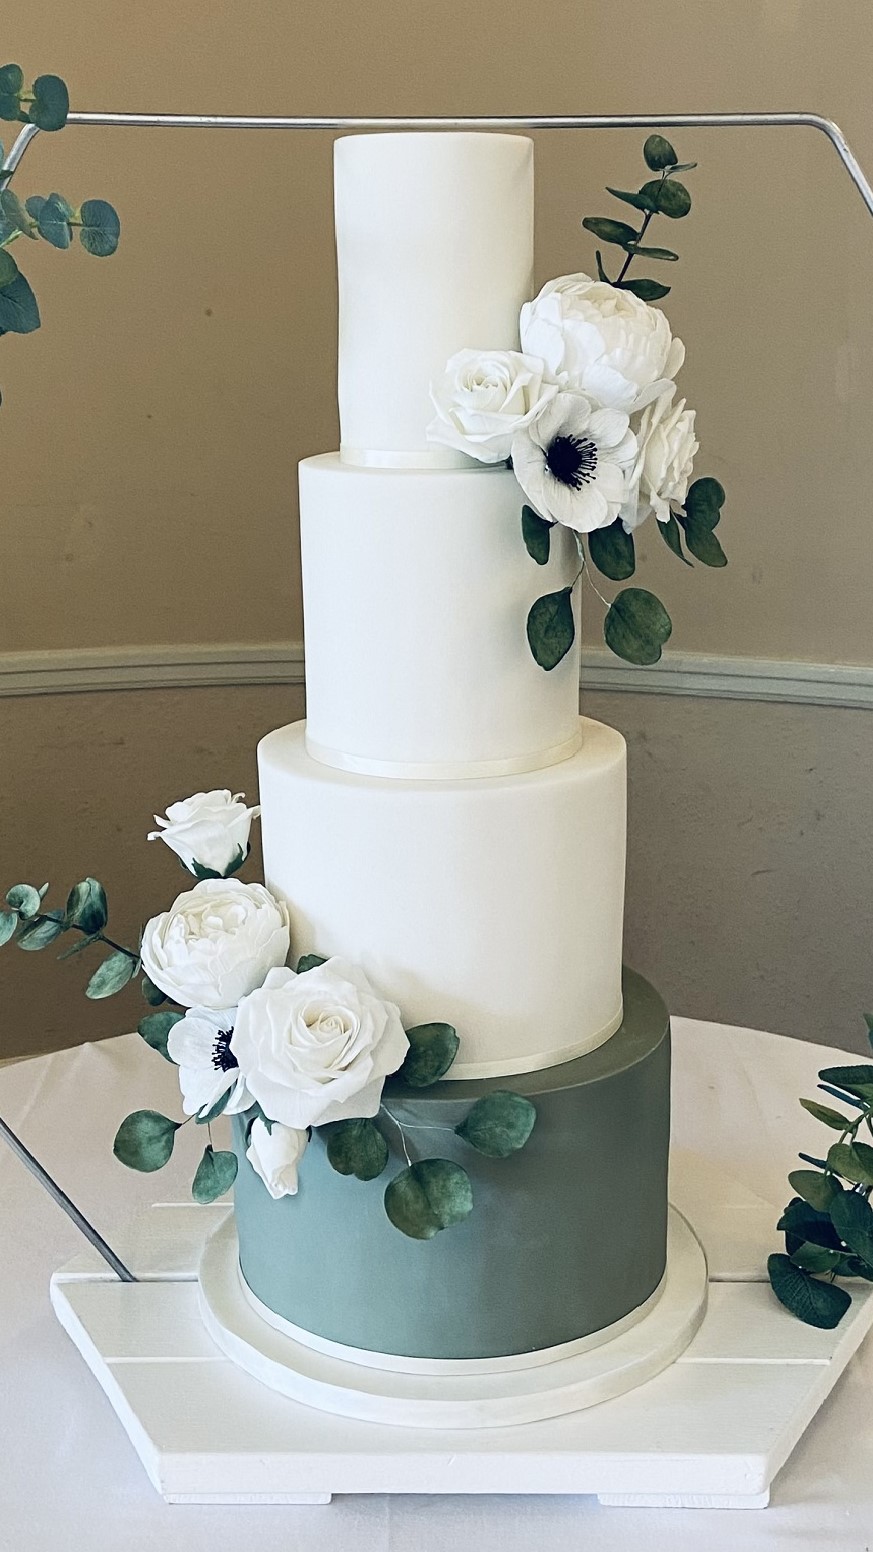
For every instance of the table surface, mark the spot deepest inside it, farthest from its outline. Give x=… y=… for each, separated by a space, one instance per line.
x=69 y=1477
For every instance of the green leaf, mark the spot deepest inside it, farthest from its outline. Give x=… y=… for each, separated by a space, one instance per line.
x=551 y=628
x=637 y=626
x=659 y=153
x=813 y=1258
x=646 y=290
x=855 y=1080
x=42 y=931
x=825 y=1114
x=33 y=205
x=145 y=1139
x=666 y=254
x=111 y=976
x=19 y=313
x=8 y=268
x=612 y=551
x=814 y=1302
x=800 y=1222
x=358 y=1148
x=152 y=993
x=51 y=102
x=155 y=1029
x=217 y=1109
x=429 y=1196
x=639 y=201
x=601 y=272
x=670 y=197
x=8 y=924
x=54 y=221
x=15 y=213
x=816 y=1189
x=852 y=1217
x=11 y=80
x=608 y=231
x=216 y=1173
x=705 y=500
x=24 y=899
x=537 y=534
x=10 y=107
x=854 y=1161
x=86 y=906
x=309 y=962
x=79 y=946
x=498 y=1124
x=432 y=1049
x=671 y=534
x=99 y=234
x=702 y=542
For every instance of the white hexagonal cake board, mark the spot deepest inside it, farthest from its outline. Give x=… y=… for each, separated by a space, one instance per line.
x=711 y=1431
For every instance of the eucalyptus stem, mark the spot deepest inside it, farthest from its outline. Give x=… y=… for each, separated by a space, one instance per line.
x=640 y=235
x=96 y=937
x=401 y=1132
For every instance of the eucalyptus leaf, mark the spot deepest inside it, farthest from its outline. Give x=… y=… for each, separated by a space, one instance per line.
x=854 y=1161
x=666 y=254
x=310 y=962
x=813 y=1258
x=145 y=1139
x=111 y=976
x=15 y=213
x=816 y=1189
x=8 y=267
x=704 y=501
x=702 y=542
x=601 y=272
x=33 y=205
x=24 y=899
x=152 y=993
x=612 y=551
x=215 y=1111
x=432 y=1049
x=51 y=102
x=357 y=1147
x=868 y=1020
x=659 y=153
x=216 y=1173
x=639 y=201
x=19 y=313
x=671 y=534
x=537 y=534
x=801 y=1222
x=99 y=234
x=608 y=231
x=551 y=628
x=79 y=946
x=844 y=1099
x=855 y=1080
x=852 y=1217
x=41 y=931
x=637 y=626
x=498 y=1124
x=646 y=290
x=11 y=80
x=8 y=924
x=814 y=1302
x=429 y=1196
x=155 y=1029
x=670 y=198
x=809 y=1158
x=825 y=1114
x=86 y=906
x=53 y=221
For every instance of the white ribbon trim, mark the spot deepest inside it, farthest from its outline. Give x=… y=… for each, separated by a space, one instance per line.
x=538 y=1060
x=451 y=770
x=421 y=458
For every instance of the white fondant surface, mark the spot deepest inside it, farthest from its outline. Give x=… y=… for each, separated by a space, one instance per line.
x=435 y=252
x=495 y=905
x=417 y=587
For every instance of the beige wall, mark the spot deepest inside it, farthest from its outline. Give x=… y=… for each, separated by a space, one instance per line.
x=151 y=430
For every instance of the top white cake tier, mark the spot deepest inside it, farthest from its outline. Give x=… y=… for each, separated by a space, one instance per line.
x=434 y=240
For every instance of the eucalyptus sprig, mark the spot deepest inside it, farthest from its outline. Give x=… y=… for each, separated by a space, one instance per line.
x=663 y=195
x=828 y=1224
x=86 y=912
x=51 y=218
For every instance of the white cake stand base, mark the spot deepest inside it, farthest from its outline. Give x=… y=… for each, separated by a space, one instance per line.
x=710 y=1431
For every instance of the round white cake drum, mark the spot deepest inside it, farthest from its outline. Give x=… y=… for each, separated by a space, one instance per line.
x=492 y=1399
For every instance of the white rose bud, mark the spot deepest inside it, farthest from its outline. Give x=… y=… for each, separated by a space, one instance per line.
x=484 y=397
x=274 y=1153
x=216 y=943
x=317 y=1047
x=664 y=462
x=613 y=347
x=209 y=830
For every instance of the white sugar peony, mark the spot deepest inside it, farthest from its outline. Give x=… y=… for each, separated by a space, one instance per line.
x=200 y=1046
x=210 y=829
x=572 y=462
x=274 y=1153
x=613 y=347
x=318 y=1047
x=664 y=462
x=484 y=397
x=216 y=943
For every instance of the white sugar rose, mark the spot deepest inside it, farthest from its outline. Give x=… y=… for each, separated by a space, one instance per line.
x=664 y=463
x=615 y=348
x=274 y=1153
x=317 y=1047
x=209 y=830
x=484 y=397
x=216 y=943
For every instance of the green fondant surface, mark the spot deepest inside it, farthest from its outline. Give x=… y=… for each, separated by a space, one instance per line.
x=566 y=1236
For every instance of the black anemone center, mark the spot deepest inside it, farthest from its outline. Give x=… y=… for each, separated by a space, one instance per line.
x=223 y=1059
x=572 y=460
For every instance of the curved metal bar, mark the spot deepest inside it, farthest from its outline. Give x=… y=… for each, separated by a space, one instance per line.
x=817 y=121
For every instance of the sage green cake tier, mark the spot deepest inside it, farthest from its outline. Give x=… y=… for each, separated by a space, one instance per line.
x=566 y=1237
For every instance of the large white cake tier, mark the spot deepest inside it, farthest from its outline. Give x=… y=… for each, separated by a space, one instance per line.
x=435 y=253
x=495 y=905
x=417 y=587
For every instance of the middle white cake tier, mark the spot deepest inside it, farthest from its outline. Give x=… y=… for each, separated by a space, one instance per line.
x=417 y=587
x=495 y=905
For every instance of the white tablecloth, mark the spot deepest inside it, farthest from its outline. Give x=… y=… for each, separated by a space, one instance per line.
x=70 y=1480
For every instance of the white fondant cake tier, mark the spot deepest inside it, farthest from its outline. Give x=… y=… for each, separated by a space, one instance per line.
x=435 y=253
x=417 y=587
x=495 y=904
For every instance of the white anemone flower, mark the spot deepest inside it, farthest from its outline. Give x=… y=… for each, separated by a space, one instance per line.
x=200 y=1046
x=572 y=463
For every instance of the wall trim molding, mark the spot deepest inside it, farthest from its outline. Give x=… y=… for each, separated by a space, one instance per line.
x=250 y=663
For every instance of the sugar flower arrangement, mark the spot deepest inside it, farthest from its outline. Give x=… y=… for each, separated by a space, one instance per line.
x=299 y=1057
x=588 y=415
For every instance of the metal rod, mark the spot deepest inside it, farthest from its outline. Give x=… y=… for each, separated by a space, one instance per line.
x=63 y=1201
x=816 y=121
